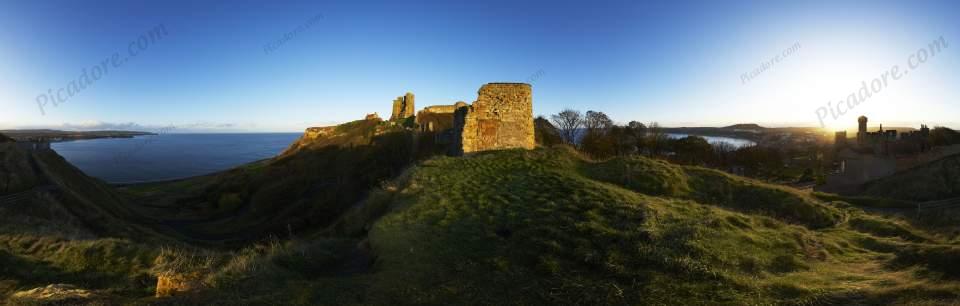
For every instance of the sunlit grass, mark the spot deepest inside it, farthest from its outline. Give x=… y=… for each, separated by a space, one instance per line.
x=550 y=227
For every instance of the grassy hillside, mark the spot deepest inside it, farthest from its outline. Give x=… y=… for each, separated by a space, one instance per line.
x=546 y=226
x=70 y=228
x=364 y=216
x=934 y=181
x=307 y=187
x=16 y=172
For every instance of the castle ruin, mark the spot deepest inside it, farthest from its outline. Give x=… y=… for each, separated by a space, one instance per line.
x=437 y=118
x=879 y=154
x=501 y=118
x=403 y=107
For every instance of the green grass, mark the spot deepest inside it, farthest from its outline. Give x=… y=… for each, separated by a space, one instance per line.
x=535 y=227
x=937 y=180
x=546 y=226
x=119 y=266
x=867 y=201
x=638 y=231
x=713 y=187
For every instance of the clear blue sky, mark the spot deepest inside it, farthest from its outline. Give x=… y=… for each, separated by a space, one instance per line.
x=679 y=63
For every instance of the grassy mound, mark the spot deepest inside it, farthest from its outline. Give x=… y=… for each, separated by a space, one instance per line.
x=709 y=186
x=548 y=227
x=531 y=220
x=509 y=227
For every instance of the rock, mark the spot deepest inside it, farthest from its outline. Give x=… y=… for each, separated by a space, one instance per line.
x=54 y=294
x=179 y=284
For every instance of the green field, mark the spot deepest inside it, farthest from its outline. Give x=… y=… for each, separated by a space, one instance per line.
x=514 y=227
x=547 y=226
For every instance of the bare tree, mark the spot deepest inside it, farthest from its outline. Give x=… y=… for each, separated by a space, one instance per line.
x=656 y=139
x=569 y=122
x=597 y=123
x=637 y=132
x=638 y=128
x=724 y=153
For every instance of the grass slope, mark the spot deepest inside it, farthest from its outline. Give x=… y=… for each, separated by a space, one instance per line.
x=307 y=187
x=934 y=181
x=78 y=231
x=547 y=226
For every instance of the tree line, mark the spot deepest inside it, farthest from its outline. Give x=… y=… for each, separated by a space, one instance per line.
x=597 y=136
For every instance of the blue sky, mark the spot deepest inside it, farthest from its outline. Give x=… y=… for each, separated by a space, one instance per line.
x=675 y=62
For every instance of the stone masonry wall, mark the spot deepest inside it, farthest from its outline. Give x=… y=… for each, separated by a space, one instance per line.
x=403 y=107
x=444 y=109
x=501 y=118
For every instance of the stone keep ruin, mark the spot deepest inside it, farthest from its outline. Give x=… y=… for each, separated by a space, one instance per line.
x=402 y=107
x=501 y=118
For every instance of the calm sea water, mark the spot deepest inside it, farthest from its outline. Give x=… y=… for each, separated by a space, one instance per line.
x=169 y=156
x=173 y=156
x=736 y=142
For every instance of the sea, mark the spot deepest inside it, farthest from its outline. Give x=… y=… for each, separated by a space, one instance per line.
x=174 y=156
x=736 y=142
x=169 y=156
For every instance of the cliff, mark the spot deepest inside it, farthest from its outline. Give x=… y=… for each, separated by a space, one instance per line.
x=16 y=172
x=61 y=226
x=351 y=133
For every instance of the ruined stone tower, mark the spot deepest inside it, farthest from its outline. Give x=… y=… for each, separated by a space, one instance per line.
x=501 y=118
x=403 y=107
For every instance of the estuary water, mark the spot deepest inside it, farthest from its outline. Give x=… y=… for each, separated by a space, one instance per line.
x=736 y=142
x=169 y=156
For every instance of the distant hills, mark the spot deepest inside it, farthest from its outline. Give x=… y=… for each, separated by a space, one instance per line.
x=745 y=126
x=58 y=135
